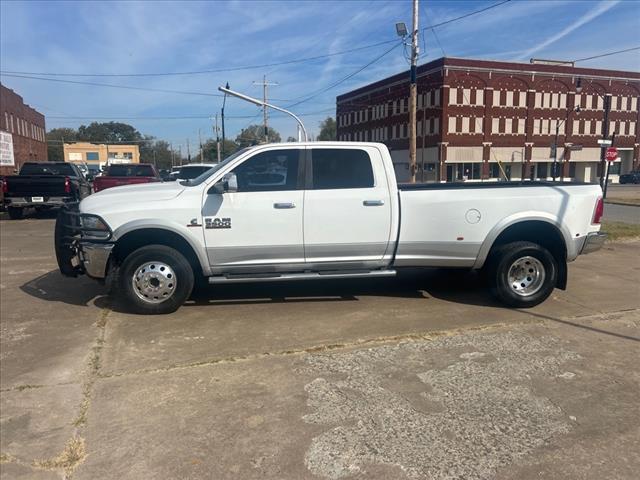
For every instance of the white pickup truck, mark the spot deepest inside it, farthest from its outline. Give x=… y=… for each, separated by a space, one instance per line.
x=324 y=210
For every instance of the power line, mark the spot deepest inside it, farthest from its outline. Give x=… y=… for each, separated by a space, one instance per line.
x=455 y=19
x=175 y=117
x=111 y=85
x=606 y=54
x=344 y=79
x=199 y=72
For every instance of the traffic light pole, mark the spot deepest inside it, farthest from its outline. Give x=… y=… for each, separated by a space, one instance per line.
x=608 y=165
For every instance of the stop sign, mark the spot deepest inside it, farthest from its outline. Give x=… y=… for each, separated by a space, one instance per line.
x=612 y=154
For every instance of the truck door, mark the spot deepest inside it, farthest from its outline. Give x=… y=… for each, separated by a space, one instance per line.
x=347 y=208
x=260 y=225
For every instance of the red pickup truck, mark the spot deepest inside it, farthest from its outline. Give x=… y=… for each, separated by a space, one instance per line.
x=126 y=174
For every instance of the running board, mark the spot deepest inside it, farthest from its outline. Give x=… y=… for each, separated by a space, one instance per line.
x=283 y=277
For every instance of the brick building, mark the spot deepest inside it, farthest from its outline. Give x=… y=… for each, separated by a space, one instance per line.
x=480 y=119
x=26 y=127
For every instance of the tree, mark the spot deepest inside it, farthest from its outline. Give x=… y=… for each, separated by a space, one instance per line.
x=291 y=139
x=55 y=137
x=109 y=132
x=254 y=134
x=327 y=129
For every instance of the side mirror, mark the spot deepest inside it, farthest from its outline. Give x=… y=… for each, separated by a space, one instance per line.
x=228 y=184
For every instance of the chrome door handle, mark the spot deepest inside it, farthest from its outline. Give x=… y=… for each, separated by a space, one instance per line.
x=373 y=203
x=284 y=205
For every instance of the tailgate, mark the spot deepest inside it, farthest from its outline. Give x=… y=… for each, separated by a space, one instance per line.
x=36 y=185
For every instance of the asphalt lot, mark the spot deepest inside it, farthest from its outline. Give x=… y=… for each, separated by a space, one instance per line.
x=419 y=377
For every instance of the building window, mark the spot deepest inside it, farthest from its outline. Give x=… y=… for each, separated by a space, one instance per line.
x=453 y=96
x=522 y=124
x=452 y=125
x=465 y=125
x=93 y=156
x=508 y=125
x=495 y=125
x=477 y=125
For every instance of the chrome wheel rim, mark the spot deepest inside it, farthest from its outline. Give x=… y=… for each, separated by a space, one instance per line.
x=154 y=282
x=526 y=276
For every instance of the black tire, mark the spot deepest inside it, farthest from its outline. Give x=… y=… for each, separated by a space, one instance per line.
x=15 y=213
x=171 y=261
x=509 y=277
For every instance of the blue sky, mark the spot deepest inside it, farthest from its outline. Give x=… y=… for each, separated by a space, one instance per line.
x=137 y=37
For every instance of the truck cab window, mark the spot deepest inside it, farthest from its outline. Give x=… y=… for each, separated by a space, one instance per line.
x=341 y=168
x=275 y=170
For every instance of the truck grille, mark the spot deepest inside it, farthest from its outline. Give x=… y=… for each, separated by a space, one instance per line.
x=67 y=233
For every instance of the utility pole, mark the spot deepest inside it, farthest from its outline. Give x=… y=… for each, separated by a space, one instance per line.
x=265 y=115
x=413 y=95
x=216 y=132
x=200 y=141
x=224 y=101
x=188 y=152
x=173 y=159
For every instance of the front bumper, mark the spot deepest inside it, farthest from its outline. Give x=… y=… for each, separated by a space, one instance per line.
x=94 y=258
x=593 y=242
x=77 y=255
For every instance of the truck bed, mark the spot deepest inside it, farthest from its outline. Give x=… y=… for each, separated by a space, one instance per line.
x=483 y=185
x=439 y=228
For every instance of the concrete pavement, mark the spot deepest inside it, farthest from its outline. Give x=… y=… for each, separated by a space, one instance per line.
x=622 y=213
x=425 y=377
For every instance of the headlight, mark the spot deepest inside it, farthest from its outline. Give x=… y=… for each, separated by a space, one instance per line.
x=93 y=226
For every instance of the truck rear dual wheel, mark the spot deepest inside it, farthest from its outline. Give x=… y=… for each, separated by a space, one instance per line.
x=522 y=274
x=154 y=279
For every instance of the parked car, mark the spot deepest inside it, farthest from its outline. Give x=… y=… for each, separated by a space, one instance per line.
x=126 y=174
x=631 y=177
x=334 y=211
x=43 y=186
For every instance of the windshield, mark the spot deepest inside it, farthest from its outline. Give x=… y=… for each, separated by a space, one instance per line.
x=189 y=173
x=47 y=169
x=130 y=170
x=198 y=180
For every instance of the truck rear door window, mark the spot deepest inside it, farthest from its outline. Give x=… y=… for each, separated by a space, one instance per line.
x=341 y=168
x=130 y=171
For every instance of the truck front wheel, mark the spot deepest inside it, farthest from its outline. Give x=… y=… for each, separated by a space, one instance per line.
x=155 y=279
x=15 y=213
x=522 y=274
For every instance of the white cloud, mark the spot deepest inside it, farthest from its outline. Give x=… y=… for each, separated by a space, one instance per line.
x=598 y=10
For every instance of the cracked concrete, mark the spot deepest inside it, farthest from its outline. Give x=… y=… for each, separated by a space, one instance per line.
x=265 y=382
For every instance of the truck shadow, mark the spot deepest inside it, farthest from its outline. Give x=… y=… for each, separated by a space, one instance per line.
x=455 y=286
x=54 y=287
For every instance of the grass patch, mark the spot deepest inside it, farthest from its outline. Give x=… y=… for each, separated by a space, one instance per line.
x=619 y=230
x=73 y=454
x=7 y=458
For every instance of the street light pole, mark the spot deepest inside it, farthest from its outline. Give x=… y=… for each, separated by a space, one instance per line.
x=413 y=96
x=260 y=103
x=224 y=101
